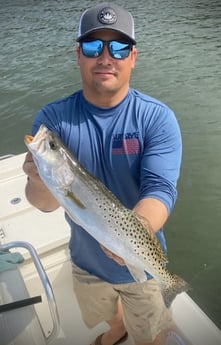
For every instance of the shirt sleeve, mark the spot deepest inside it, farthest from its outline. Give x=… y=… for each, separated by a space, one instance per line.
x=161 y=160
x=47 y=116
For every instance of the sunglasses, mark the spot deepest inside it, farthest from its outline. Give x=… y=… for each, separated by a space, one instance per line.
x=117 y=50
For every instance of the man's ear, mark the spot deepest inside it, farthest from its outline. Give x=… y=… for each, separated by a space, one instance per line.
x=133 y=56
x=77 y=49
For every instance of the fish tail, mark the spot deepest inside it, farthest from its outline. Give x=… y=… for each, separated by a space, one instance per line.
x=170 y=291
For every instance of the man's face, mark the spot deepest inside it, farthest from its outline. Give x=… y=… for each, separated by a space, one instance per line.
x=104 y=75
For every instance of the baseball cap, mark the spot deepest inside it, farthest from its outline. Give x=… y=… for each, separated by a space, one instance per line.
x=106 y=15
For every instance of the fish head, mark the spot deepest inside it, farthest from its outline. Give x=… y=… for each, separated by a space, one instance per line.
x=50 y=157
x=44 y=145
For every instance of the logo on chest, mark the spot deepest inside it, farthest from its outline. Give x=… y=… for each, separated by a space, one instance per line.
x=126 y=143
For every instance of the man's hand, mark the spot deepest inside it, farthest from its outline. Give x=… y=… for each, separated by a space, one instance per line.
x=112 y=256
x=30 y=168
x=36 y=191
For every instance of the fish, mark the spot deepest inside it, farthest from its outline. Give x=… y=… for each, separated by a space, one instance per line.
x=90 y=204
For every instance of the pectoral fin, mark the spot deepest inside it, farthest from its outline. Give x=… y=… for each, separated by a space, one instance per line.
x=78 y=202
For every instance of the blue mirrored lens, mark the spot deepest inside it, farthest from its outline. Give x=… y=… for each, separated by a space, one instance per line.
x=117 y=50
x=92 y=48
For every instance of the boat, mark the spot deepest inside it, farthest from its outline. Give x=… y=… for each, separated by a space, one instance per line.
x=37 y=302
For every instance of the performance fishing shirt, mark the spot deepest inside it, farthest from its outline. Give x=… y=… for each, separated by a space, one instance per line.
x=134 y=148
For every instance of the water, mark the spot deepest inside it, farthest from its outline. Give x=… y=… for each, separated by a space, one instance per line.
x=179 y=60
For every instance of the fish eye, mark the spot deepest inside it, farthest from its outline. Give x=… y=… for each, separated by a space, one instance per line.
x=53 y=145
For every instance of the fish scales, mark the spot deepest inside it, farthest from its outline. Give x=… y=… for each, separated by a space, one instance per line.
x=90 y=204
x=122 y=221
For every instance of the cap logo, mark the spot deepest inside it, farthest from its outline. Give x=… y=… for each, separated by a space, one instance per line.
x=107 y=16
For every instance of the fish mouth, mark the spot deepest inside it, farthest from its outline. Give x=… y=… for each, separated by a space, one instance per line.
x=36 y=141
x=28 y=139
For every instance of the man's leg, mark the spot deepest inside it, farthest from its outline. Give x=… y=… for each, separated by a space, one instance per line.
x=117 y=329
x=146 y=317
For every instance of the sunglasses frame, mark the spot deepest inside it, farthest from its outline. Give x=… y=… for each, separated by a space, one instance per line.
x=108 y=44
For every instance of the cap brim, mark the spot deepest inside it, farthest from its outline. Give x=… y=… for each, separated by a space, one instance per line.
x=82 y=37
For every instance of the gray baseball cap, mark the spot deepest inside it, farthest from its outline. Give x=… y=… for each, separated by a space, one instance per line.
x=106 y=16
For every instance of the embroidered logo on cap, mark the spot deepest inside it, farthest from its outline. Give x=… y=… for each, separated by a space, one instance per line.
x=107 y=16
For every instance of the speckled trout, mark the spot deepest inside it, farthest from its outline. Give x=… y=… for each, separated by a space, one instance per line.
x=91 y=205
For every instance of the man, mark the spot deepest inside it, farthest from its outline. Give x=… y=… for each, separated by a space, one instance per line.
x=132 y=143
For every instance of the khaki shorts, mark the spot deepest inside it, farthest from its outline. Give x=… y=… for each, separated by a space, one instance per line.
x=145 y=314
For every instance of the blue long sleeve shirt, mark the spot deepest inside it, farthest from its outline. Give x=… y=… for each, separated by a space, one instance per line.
x=134 y=148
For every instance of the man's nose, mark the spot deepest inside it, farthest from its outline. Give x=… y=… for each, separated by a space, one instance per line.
x=105 y=56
